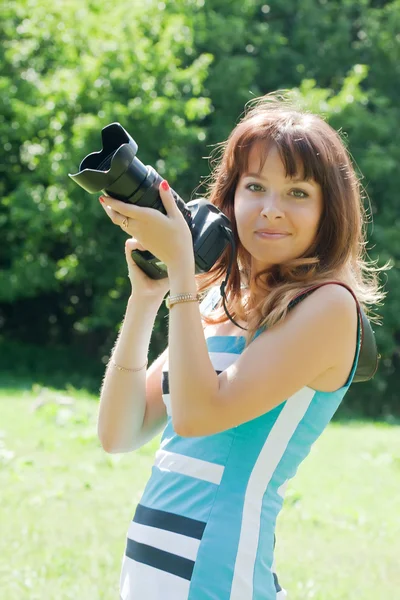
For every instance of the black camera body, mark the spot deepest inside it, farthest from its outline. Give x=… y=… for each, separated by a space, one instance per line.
x=117 y=172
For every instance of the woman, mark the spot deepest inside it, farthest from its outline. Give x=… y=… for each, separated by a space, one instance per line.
x=241 y=404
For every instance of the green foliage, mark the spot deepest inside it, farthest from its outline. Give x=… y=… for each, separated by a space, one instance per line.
x=176 y=75
x=61 y=90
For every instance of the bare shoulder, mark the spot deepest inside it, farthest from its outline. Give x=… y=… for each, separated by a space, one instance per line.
x=331 y=301
x=329 y=316
x=336 y=292
x=332 y=315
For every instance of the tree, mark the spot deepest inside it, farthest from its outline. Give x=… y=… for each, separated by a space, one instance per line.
x=177 y=77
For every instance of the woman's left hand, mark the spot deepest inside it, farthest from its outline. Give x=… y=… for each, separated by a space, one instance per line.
x=168 y=236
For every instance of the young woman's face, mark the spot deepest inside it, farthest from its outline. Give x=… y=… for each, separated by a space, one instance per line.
x=277 y=218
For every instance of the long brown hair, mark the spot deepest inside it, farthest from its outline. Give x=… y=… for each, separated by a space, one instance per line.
x=339 y=250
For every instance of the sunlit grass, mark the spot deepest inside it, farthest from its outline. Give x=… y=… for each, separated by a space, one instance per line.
x=66 y=506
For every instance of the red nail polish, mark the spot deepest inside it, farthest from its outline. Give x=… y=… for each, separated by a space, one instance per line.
x=165 y=185
x=101 y=199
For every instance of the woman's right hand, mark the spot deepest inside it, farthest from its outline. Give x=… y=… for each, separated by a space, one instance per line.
x=142 y=285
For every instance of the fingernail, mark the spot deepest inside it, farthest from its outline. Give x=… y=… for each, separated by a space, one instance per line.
x=101 y=199
x=165 y=185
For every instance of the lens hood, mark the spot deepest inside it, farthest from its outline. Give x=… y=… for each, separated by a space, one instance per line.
x=100 y=170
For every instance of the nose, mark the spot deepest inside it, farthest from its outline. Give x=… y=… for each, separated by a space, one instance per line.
x=271 y=206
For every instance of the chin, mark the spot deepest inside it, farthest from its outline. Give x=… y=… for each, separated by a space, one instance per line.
x=261 y=264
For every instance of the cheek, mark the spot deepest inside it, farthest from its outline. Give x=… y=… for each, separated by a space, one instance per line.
x=242 y=212
x=237 y=211
x=241 y=220
x=314 y=222
x=306 y=220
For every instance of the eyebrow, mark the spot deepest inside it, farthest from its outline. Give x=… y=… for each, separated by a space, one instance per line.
x=294 y=180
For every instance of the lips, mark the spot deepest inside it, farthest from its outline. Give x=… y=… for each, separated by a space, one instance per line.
x=272 y=232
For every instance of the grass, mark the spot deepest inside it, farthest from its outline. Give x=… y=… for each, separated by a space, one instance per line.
x=66 y=506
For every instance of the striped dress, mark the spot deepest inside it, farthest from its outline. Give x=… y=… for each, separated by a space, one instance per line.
x=205 y=526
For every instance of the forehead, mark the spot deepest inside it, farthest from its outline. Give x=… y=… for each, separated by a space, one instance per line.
x=264 y=158
x=283 y=157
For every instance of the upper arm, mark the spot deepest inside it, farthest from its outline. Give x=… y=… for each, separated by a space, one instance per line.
x=282 y=360
x=155 y=416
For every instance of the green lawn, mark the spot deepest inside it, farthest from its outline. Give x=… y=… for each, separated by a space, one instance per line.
x=66 y=506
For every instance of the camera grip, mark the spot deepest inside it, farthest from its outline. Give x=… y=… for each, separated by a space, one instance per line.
x=150 y=264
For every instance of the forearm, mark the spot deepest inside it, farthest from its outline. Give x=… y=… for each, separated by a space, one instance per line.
x=192 y=378
x=123 y=393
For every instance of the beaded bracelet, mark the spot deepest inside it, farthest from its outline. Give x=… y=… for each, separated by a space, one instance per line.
x=186 y=297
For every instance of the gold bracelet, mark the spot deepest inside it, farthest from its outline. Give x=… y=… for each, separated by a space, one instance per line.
x=124 y=369
x=186 y=297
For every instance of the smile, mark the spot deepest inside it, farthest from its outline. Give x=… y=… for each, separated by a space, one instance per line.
x=271 y=236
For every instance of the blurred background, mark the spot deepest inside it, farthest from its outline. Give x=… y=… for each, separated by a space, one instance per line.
x=177 y=76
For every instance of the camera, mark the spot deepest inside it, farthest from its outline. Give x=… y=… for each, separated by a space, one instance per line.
x=116 y=171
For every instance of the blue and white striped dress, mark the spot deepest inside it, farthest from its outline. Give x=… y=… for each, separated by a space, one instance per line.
x=204 y=527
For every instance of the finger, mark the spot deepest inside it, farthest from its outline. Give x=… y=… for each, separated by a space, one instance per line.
x=131 y=245
x=128 y=255
x=123 y=208
x=167 y=198
x=115 y=216
x=110 y=212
